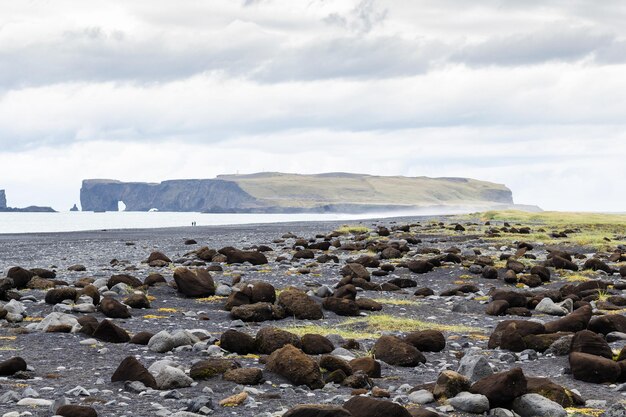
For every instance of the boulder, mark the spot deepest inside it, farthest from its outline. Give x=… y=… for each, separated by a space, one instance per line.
x=449 y=384
x=269 y=339
x=470 y=403
x=317 y=410
x=419 y=267
x=20 y=276
x=236 y=256
x=298 y=304
x=170 y=377
x=244 y=376
x=554 y=392
x=195 y=284
x=129 y=280
x=427 y=340
x=131 y=370
x=70 y=410
x=355 y=270
x=58 y=295
x=257 y=312
x=316 y=344
x=531 y=405
x=341 y=306
x=608 y=323
x=293 y=364
x=12 y=366
x=237 y=342
x=595 y=369
x=573 y=322
x=474 y=367
x=108 y=331
x=367 y=365
x=394 y=351
x=369 y=407
x=112 y=308
x=501 y=388
x=211 y=368
x=589 y=342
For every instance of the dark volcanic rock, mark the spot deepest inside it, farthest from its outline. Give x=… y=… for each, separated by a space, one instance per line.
x=317 y=410
x=12 y=366
x=237 y=342
x=341 y=306
x=367 y=365
x=236 y=256
x=195 y=284
x=141 y=338
x=244 y=376
x=113 y=308
x=596 y=369
x=76 y=411
x=211 y=368
x=297 y=303
x=589 y=342
x=20 y=276
x=501 y=388
x=316 y=344
x=396 y=352
x=258 y=312
x=293 y=364
x=58 y=295
x=427 y=340
x=108 y=331
x=269 y=339
x=131 y=370
x=370 y=407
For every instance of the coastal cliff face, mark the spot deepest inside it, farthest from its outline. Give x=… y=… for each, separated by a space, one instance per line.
x=3 y=199
x=292 y=193
x=176 y=195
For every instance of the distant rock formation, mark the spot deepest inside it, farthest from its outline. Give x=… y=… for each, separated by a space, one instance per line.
x=293 y=193
x=29 y=209
x=74 y=208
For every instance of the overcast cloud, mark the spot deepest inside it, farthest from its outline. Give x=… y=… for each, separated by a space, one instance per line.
x=531 y=94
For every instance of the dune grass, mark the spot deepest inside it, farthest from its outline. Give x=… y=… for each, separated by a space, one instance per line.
x=347 y=229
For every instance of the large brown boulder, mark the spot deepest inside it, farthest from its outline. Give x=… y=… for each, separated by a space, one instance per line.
x=212 y=367
x=316 y=344
x=341 y=306
x=157 y=258
x=112 y=308
x=237 y=342
x=355 y=270
x=449 y=384
x=20 y=276
x=244 y=376
x=554 y=392
x=258 y=312
x=368 y=365
x=396 y=352
x=298 y=304
x=591 y=368
x=108 y=331
x=236 y=256
x=573 y=322
x=501 y=388
x=592 y=343
x=293 y=364
x=12 y=366
x=427 y=340
x=260 y=292
x=317 y=410
x=369 y=407
x=608 y=323
x=270 y=339
x=58 y=295
x=129 y=280
x=71 y=410
x=131 y=370
x=195 y=284
x=509 y=334
x=419 y=267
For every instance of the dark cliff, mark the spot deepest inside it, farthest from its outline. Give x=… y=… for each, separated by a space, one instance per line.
x=291 y=193
x=30 y=209
x=175 y=195
x=3 y=199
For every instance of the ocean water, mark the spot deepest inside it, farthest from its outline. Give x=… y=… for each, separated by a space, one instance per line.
x=79 y=221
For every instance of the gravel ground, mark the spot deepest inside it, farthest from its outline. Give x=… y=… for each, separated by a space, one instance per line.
x=60 y=363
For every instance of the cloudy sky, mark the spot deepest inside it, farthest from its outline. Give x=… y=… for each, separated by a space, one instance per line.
x=527 y=93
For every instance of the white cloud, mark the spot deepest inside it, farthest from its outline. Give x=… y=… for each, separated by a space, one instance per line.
x=525 y=93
